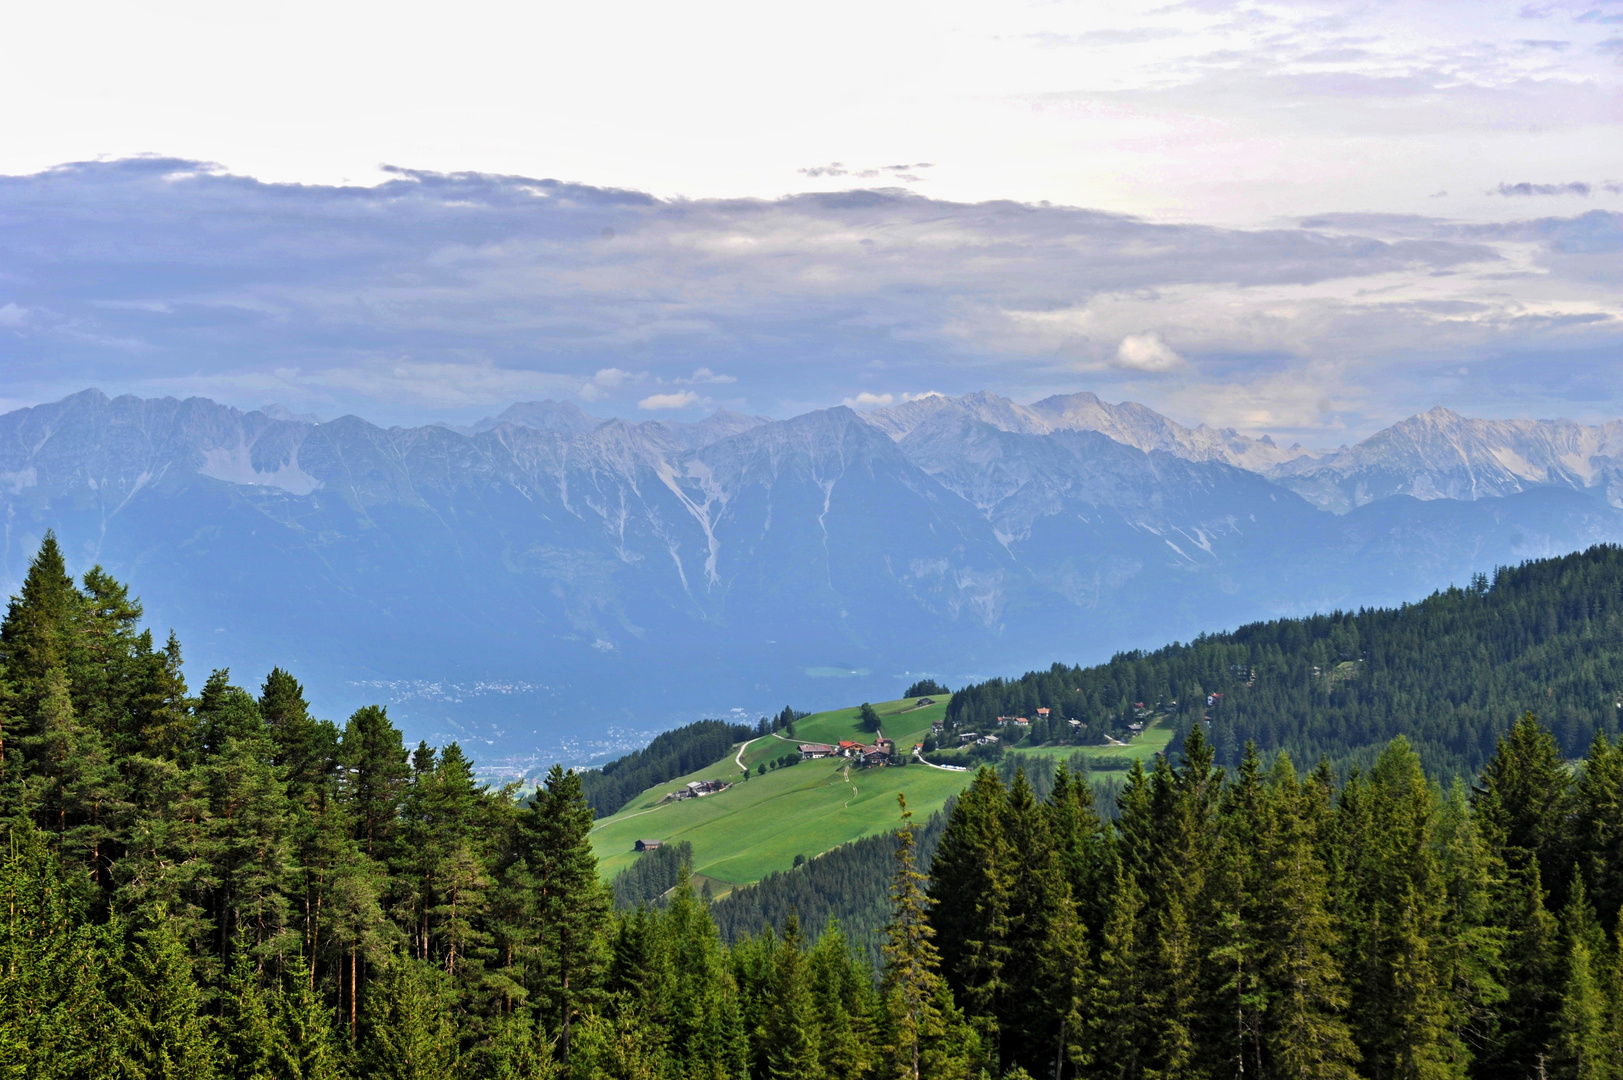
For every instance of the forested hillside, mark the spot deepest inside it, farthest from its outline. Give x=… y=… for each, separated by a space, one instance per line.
x=219 y=885
x=671 y=754
x=1450 y=673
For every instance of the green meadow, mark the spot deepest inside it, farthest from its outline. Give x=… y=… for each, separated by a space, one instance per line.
x=759 y=825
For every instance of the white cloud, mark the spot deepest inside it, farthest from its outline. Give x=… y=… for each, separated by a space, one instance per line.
x=1147 y=352
x=684 y=400
x=704 y=376
x=866 y=400
x=605 y=380
x=13 y=315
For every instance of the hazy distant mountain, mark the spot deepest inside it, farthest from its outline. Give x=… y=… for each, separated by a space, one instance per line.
x=546 y=415
x=559 y=581
x=1128 y=423
x=1443 y=455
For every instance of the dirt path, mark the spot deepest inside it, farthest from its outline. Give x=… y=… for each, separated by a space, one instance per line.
x=604 y=821
x=918 y=757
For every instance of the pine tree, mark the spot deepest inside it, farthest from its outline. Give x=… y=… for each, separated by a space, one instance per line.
x=249 y=834
x=375 y=759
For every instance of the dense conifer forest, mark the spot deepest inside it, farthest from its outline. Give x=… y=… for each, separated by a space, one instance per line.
x=219 y=885
x=671 y=754
x=1445 y=672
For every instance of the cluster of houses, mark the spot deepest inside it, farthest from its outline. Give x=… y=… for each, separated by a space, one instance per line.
x=696 y=789
x=882 y=752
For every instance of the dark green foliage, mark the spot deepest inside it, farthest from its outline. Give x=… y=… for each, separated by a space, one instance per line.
x=672 y=754
x=1451 y=673
x=224 y=886
x=654 y=874
x=925 y=688
x=870 y=718
x=55 y=1013
x=848 y=885
x=407 y=1028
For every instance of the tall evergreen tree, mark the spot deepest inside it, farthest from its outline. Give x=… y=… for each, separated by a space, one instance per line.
x=970 y=896
x=160 y=1012
x=925 y=1035
x=407 y=1028
x=572 y=906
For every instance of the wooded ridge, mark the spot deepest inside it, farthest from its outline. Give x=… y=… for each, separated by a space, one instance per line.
x=221 y=885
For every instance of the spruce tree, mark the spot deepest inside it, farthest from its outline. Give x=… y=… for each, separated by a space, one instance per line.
x=308 y=1048
x=247 y=1026
x=1582 y=1047
x=969 y=895
x=1599 y=827
x=1305 y=1033
x=1525 y=801
x=407 y=1028
x=791 y=1031
x=572 y=905
x=1040 y=929
x=925 y=1036
x=37 y=635
x=160 y=1012
x=55 y=963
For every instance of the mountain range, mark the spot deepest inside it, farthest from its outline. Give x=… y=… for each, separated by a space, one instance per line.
x=548 y=583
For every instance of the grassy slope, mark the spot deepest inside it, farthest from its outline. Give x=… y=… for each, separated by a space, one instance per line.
x=760 y=825
x=1144 y=747
x=755 y=827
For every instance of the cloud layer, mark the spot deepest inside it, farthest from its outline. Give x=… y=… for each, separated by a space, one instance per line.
x=447 y=295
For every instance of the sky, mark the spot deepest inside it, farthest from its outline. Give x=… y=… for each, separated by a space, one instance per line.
x=1306 y=219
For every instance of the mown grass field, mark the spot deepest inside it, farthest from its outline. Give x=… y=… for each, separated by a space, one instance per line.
x=759 y=825
x=1143 y=748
